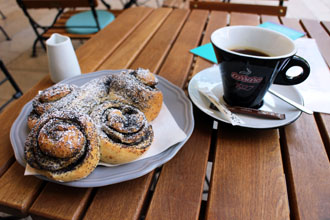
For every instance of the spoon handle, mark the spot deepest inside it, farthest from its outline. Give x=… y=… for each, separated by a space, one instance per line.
x=289 y=101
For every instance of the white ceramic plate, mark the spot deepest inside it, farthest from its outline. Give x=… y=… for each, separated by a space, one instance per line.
x=176 y=101
x=211 y=76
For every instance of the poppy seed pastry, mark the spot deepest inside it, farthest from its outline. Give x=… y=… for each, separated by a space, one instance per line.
x=32 y=119
x=137 y=88
x=125 y=134
x=63 y=145
x=118 y=106
x=58 y=96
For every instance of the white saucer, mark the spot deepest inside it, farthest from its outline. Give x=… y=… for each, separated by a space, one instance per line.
x=211 y=76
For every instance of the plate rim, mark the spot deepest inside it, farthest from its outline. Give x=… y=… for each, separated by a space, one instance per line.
x=149 y=163
x=208 y=110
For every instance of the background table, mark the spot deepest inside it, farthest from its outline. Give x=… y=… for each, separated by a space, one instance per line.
x=256 y=174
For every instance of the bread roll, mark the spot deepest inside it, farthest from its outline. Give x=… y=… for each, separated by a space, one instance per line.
x=58 y=96
x=125 y=134
x=63 y=145
x=137 y=88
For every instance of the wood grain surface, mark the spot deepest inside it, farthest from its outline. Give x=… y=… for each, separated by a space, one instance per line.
x=172 y=185
x=178 y=193
x=316 y=31
x=309 y=171
x=175 y=65
x=94 y=52
x=133 y=44
x=154 y=53
x=60 y=202
x=248 y=181
x=238 y=7
x=326 y=25
x=120 y=201
x=293 y=23
x=244 y=19
x=256 y=174
x=17 y=191
x=248 y=173
x=217 y=20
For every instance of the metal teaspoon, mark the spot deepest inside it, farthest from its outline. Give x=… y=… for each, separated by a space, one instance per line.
x=289 y=101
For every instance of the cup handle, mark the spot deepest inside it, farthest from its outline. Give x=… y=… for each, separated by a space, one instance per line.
x=283 y=79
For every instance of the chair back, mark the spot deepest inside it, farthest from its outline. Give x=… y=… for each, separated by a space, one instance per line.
x=59 y=23
x=57 y=3
x=278 y=10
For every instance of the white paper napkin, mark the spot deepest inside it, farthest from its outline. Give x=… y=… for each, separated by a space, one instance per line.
x=316 y=88
x=166 y=133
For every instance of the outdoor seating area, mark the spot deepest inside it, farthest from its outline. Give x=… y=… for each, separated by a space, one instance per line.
x=165 y=109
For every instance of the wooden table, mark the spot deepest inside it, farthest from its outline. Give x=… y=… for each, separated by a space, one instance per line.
x=256 y=174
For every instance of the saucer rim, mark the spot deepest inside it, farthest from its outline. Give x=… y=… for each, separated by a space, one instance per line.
x=264 y=123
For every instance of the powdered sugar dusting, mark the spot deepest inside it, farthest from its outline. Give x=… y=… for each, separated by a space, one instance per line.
x=114 y=104
x=122 y=124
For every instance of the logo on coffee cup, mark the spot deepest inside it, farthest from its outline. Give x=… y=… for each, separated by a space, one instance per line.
x=242 y=76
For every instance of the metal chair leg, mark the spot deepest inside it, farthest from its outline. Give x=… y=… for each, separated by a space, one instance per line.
x=106 y=4
x=2 y=15
x=36 y=27
x=130 y=3
x=11 y=79
x=18 y=91
x=95 y=15
x=5 y=33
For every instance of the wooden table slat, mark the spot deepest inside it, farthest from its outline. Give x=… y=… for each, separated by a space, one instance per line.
x=247 y=180
x=323 y=121
x=316 y=31
x=120 y=201
x=44 y=209
x=103 y=49
x=270 y=18
x=292 y=23
x=64 y=32
x=244 y=19
x=308 y=170
x=175 y=65
x=169 y=3
x=7 y=118
x=256 y=174
x=326 y=25
x=171 y=186
x=130 y=48
x=161 y=42
x=60 y=202
x=95 y=51
x=17 y=192
x=178 y=194
x=132 y=200
x=217 y=20
x=255 y=181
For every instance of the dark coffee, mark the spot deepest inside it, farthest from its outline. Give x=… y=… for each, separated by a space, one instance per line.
x=251 y=52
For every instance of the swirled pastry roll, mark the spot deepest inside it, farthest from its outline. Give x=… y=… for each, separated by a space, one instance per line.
x=93 y=92
x=32 y=119
x=125 y=134
x=98 y=88
x=137 y=88
x=58 y=96
x=63 y=145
